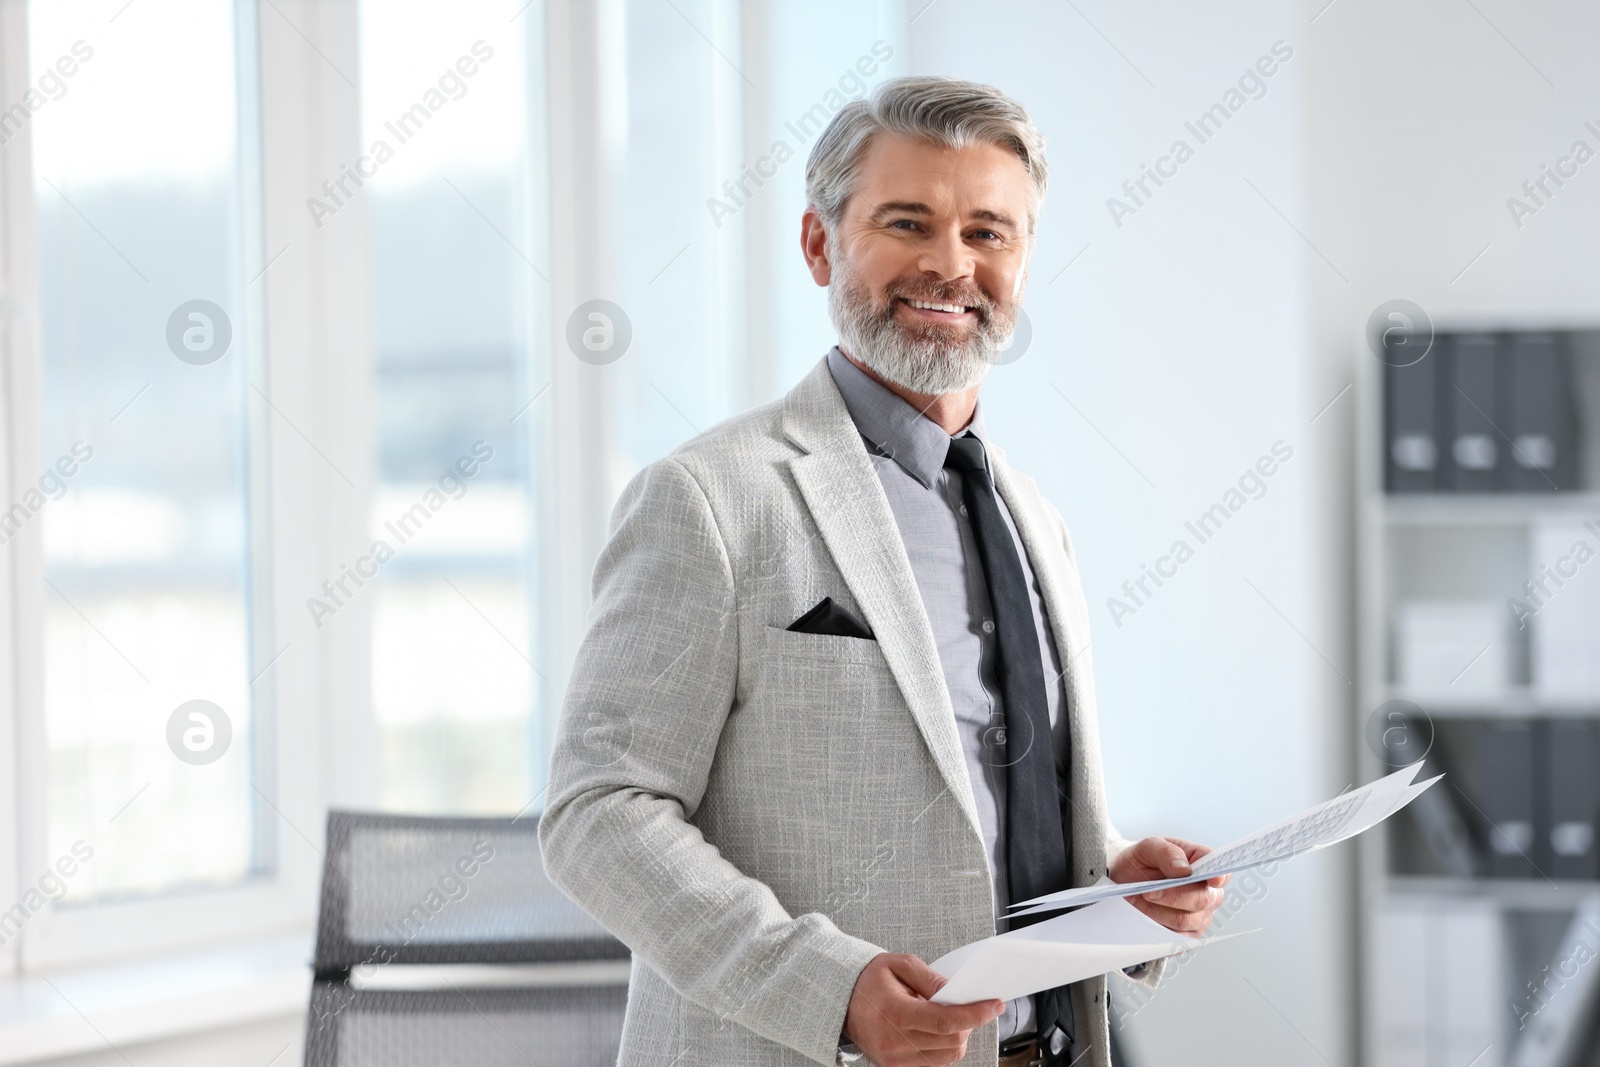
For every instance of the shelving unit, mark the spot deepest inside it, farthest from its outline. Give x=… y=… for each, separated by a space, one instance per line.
x=1446 y=545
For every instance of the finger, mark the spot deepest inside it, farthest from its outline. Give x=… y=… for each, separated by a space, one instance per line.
x=1193 y=852
x=948 y=1018
x=890 y=1014
x=914 y=1046
x=927 y=1039
x=1195 y=897
x=1175 y=917
x=1145 y=855
x=922 y=1041
x=1166 y=856
x=1188 y=923
x=922 y=980
x=911 y=1055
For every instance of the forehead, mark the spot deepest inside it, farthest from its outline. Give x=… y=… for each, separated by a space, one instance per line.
x=979 y=177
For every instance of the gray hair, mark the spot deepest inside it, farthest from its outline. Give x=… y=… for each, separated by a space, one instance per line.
x=944 y=111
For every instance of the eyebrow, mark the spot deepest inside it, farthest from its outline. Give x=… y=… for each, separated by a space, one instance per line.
x=917 y=207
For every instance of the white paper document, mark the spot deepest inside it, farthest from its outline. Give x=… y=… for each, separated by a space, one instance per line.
x=1103 y=937
x=1339 y=819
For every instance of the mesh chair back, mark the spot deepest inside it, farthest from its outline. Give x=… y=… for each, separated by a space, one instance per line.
x=411 y=889
x=544 y=1026
x=416 y=890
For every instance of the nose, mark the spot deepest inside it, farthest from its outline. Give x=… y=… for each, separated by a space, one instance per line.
x=947 y=256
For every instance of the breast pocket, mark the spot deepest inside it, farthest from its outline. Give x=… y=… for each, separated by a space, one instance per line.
x=821 y=669
x=834 y=699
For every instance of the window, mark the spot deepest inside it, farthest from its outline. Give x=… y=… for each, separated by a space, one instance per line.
x=458 y=292
x=145 y=179
x=677 y=273
x=722 y=103
x=819 y=55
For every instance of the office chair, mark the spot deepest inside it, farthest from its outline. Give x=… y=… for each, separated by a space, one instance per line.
x=440 y=942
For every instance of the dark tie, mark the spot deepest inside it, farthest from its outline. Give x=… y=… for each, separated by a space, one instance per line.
x=1036 y=855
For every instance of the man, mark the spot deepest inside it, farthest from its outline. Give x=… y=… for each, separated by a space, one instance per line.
x=834 y=710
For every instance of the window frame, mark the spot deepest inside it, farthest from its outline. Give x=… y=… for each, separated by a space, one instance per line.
x=15 y=383
x=305 y=305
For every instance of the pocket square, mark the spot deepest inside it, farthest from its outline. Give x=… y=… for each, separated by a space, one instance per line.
x=830 y=619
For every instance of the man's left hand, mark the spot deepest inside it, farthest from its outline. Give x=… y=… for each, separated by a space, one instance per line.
x=1186 y=909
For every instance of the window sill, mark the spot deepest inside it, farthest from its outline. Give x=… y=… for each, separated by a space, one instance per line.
x=81 y=1010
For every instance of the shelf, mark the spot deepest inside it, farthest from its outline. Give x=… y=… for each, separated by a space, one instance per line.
x=1481 y=509
x=1514 y=703
x=1445 y=546
x=1530 y=894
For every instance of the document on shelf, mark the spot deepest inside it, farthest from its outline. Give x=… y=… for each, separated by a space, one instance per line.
x=1329 y=823
x=1106 y=936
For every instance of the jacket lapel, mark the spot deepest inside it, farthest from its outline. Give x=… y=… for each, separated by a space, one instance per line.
x=1068 y=613
x=1063 y=606
x=851 y=512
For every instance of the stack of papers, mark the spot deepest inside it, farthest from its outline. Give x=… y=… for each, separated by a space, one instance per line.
x=1110 y=934
x=1106 y=936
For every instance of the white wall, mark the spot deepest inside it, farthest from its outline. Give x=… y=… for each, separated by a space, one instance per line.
x=1427 y=118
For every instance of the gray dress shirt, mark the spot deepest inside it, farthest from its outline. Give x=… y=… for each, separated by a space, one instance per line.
x=908 y=452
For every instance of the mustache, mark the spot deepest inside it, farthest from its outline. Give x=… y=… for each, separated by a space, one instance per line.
x=966 y=298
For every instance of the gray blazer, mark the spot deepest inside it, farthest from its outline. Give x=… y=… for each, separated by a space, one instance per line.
x=755 y=812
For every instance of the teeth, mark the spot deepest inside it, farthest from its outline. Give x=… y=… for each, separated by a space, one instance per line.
x=931 y=306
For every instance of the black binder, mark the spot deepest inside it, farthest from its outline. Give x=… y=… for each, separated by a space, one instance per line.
x=1508 y=750
x=1471 y=464
x=1411 y=438
x=1536 y=414
x=1568 y=841
x=1437 y=814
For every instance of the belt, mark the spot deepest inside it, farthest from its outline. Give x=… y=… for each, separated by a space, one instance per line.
x=1025 y=1054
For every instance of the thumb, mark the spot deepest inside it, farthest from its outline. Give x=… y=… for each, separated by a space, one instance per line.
x=922 y=979
x=1169 y=858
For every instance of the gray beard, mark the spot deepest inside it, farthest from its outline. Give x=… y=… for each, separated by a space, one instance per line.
x=928 y=361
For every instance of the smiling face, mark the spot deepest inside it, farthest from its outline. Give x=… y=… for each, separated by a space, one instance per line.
x=925 y=270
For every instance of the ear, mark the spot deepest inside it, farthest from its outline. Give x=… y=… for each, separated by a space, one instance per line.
x=814 y=246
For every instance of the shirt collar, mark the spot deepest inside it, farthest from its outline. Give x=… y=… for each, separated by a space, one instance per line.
x=899 y=430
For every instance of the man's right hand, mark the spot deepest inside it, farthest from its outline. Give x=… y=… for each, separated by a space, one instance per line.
x=891 y=1019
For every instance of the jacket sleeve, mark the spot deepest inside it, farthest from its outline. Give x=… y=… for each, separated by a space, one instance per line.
x=650 y=689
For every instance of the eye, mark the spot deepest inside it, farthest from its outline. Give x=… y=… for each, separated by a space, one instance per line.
x=908 y=222
x=986 y=235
